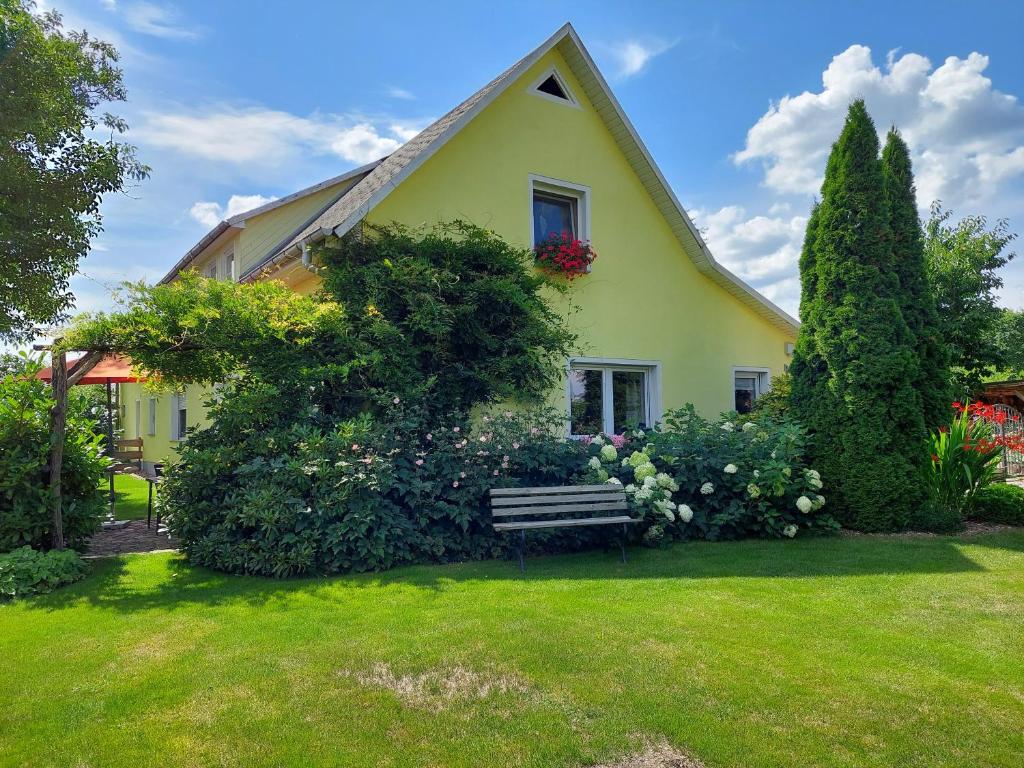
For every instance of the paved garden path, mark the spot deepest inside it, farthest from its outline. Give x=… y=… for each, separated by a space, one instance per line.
x=133 y=536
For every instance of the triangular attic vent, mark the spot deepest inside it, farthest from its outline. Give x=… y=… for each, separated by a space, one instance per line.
x=552 y=87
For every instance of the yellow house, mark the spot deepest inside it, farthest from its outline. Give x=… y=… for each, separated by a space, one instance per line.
x=543 y=146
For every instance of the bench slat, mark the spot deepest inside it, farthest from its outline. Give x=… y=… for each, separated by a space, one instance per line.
x=563 y=523
x=521 y=501
x=557 y=489
x=599 y=507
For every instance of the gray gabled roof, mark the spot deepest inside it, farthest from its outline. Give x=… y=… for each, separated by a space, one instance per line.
x=352 y=207
x=238 y=221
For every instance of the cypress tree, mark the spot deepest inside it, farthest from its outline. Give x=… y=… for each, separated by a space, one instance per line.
x=917 y=300
x=853 y=381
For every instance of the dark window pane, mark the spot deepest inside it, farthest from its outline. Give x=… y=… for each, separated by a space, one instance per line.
x=586 y=402
x=746 y=393
x=553 y=214
x=629 y=400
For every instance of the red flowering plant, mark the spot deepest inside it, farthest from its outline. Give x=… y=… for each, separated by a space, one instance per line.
x=965 y=455
x=565 y=255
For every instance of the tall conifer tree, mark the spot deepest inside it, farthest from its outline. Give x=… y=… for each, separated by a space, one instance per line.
x=854 y=376
x=917 y=301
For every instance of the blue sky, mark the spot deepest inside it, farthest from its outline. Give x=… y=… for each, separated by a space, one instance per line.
x=738 y=103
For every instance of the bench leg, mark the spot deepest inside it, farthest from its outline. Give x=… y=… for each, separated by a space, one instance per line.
x=622 y=542
x=522 y=549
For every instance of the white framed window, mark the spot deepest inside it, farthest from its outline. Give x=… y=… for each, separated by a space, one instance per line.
x=138 y=419
x=558 y=206
x=748 y=384
x=229 y=266
x=179 y=416
x=553 y=87
x=611 y=395
x=151 y=417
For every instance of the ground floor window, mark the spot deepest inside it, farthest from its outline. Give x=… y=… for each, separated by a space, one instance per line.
x=179 y=417
x=748 y=385
x=611 y=396
x=151 y=417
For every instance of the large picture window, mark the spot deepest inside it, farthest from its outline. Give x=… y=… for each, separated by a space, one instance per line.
x=611 y=396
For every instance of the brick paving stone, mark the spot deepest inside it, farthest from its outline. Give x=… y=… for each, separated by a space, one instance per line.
x=134 y=536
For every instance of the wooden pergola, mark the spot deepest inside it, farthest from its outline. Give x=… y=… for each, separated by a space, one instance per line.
x=94 y=367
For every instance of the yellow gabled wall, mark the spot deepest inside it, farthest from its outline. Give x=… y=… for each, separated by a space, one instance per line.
x=644 y=299
x=158 y=446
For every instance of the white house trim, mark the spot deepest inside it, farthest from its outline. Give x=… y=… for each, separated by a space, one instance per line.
x=569 y=101
x=653 y=399
x=581 y=192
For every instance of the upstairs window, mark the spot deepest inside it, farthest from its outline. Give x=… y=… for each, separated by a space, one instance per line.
x=557 y=207
x=554 y=214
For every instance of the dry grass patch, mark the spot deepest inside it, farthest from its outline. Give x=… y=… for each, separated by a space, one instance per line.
x=439 y=688
x=655 y=754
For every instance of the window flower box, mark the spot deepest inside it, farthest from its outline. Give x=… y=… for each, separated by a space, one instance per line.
x=562 y=254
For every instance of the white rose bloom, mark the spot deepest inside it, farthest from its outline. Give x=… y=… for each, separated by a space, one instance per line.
x=685 y=513
x=804 y=504
x=814 y=482
x=594 y=463
x=707 y=489
x=650 y=482
x=644 y=494
x=614 y=481
x=749 y=426
x=597 y=440
x=773 y=454
x=663 y=480
x=730 y=469
x=757 y=473
x=630 y=488
x=728 y=427
x=812 y=473
x=789 y=530
x=674 y=486
x=608 y=453
x=753 y=490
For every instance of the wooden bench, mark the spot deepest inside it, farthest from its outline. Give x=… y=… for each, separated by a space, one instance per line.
x=566 y=506
x=128 y=455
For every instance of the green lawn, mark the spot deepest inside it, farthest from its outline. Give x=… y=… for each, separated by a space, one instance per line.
x=131 y=496
x=841 y=652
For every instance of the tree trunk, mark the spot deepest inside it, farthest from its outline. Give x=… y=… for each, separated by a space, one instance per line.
x=58 y=419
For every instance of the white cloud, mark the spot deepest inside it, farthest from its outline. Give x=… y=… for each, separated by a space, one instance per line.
x=262 y=138
x=109 y=4
x=400 y=93
x=210 y=214
x=762 y=250
x=156 y=20
x=967 y=138
x=632 y=56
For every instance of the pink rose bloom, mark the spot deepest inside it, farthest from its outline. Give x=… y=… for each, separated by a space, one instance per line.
x=504 y=458
x=483 y=438
x=455 y=484
x=429 y=436
x=355 y=447
x=462 y=475
x=515 y=446
x=508 y=414
x=419 y=462
x=495 y=473
x=455 y=429
x=396 y=401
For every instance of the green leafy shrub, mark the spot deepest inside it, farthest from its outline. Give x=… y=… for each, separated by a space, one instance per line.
x=964 y=460
x=277 y=489
x=26 y=571
x=999 y=503
x=25 y=500
x=694 y=478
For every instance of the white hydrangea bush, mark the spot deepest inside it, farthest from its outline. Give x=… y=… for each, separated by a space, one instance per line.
x=730 y=478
